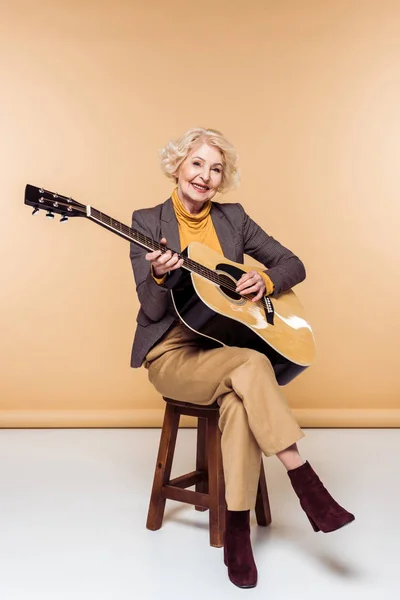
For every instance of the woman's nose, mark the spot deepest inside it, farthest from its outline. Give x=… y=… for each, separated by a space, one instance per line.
x=206 y=174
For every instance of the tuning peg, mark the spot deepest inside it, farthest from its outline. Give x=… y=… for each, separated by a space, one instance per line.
x=50 y=215
x=35 y=211
x=64 y=219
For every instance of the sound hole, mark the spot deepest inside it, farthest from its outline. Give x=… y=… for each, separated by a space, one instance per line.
x=226 y=284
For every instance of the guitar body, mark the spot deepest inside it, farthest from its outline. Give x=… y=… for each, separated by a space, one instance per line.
x=226 y=318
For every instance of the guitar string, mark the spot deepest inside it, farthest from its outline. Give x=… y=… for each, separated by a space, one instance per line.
x=219 y=279
x=196 y=267
x=115 y=224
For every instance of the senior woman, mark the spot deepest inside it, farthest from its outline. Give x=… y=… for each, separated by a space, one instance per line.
x=254 y=415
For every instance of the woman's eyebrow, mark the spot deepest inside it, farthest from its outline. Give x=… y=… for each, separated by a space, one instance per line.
x=214 y=164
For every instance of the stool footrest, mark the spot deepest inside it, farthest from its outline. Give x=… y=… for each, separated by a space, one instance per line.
x=188 y=480
x=196 y=498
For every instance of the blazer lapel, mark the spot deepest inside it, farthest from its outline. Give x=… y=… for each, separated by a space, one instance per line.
x=224 y=233
x=169 y=226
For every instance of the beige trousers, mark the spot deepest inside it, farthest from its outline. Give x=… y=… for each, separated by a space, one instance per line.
x=254 y=415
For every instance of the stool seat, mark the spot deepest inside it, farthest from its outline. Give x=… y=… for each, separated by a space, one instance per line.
x=208 y=477
x=178 y=403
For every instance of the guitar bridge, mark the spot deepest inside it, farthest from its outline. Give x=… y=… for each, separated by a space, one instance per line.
x=269 y=310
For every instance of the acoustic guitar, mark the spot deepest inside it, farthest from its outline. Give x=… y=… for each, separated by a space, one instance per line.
x=204 y=296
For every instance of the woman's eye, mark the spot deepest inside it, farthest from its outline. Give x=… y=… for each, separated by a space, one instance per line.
x=196 y=163
x=217 y=169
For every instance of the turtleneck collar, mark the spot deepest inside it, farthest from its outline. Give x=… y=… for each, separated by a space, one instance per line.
x=183 y=214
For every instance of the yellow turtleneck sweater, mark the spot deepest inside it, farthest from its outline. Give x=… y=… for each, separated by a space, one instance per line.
x=200 y=228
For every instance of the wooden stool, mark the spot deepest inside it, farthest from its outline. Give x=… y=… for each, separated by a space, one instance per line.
x=208 y=476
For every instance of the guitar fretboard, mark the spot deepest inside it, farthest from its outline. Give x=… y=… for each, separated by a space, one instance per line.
x=139 y=238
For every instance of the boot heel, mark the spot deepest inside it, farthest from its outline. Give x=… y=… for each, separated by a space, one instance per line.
x=225 y=556
x=313 y=524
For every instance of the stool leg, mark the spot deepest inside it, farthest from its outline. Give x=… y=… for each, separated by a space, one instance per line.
x=216 y=484
x=163 y=467
x=263 y=510
x=201 y=458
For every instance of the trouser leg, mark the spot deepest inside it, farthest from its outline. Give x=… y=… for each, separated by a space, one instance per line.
x=241 y=455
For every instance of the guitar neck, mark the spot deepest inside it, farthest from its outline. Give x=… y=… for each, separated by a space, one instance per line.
x=54 y=203
x=133 y=235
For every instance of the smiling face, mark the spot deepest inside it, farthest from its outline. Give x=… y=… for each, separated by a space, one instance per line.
x=199 y=177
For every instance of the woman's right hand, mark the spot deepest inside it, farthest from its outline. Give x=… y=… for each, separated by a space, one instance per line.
x=162 y=263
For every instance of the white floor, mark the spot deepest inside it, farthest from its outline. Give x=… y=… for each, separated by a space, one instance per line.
x=73 y=507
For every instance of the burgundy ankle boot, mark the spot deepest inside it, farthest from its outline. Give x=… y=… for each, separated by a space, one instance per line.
x=238 y=555
x=324 y=513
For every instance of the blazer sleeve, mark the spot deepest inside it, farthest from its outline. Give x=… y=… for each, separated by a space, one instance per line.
x=153 y=297
x=284 y=268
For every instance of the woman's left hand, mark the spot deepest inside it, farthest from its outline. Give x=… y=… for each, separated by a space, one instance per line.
x=251 y=283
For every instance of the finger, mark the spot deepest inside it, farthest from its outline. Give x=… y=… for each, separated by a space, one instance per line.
x=168 y=265
x=171 y=265
x=250 y=275
x=172 y=261
x=164 y=258
x=153 y=255
x=246 y=276
x=150 y=256
x=250 y=290
x=177 y=265
x=256 y=278
x=242 y=284
x=259 y=295
x=159 y=270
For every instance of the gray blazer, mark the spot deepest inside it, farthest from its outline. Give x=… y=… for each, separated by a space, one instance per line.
x=238 y=234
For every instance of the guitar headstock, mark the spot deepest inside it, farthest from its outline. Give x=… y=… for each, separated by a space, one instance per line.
x=53 y=203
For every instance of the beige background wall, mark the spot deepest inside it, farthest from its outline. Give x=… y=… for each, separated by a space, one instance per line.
x=308 y=90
